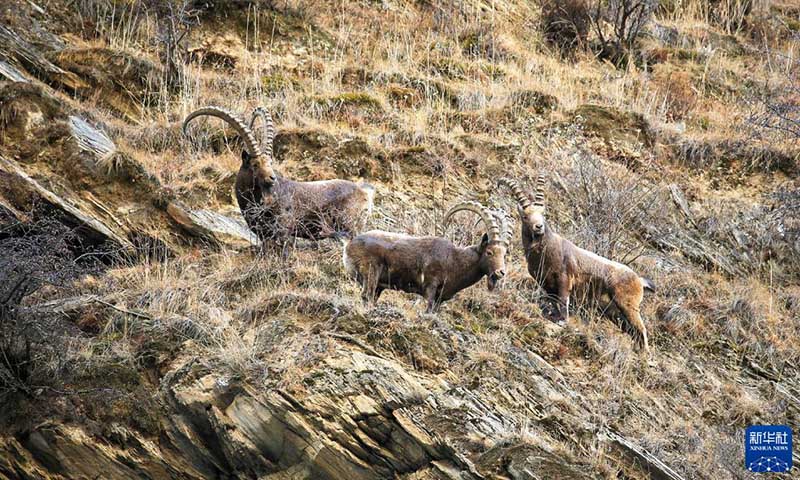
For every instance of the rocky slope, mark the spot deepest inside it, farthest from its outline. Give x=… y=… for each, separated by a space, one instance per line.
x=146 y=335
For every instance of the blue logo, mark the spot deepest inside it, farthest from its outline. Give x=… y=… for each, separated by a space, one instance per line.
x=768 y=448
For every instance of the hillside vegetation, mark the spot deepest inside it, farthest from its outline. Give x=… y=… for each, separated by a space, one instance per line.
x=145 y=334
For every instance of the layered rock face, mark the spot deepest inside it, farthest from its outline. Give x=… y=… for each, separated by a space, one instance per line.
x=364 y=417
x=146 y=333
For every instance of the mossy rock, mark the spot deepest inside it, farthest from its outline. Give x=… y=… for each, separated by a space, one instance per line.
x=725 y=84
x=353 y=323
x=360 y=100
x=531 y=99
x=792 y=24
x=614 y=126
x=346 y=106
x=277 y=81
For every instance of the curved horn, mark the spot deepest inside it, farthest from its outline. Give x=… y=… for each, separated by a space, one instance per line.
x=522 y=198
x=231 y=119
x=538 y=199
x=492 y=228
x=268 y=134
x=506 y=223
x=508 y=226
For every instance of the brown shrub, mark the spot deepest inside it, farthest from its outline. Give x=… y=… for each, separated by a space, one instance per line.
x=565 y=23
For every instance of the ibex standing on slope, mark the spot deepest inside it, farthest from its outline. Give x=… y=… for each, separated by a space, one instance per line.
x=429 y=266
x=276 y=207
x=562 y=269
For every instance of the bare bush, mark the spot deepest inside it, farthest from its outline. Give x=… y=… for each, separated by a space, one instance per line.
x=618 y=207
x=175 y=19
x=32 y=342
x=626 y=19
x=565 y=24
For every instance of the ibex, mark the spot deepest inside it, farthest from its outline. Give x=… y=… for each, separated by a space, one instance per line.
x=563 y=269
x=429 y=266
x=275 y=207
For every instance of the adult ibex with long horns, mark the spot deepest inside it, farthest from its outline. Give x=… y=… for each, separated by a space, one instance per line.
x=276 y=207
x=433 y=267
x=562 y=269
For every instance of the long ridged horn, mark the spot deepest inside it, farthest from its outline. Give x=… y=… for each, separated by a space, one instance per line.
x=522 y=198
x=268 y=134
x=508 y=225
x=492 y=228
x=231 y=119
x=538 y=199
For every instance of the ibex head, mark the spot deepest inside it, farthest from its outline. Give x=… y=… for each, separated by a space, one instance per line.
x=531 y=210
x=255 y=161
x=494 y=243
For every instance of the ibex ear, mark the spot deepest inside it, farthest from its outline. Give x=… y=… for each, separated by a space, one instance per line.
x=245 y=158
x=484 y=243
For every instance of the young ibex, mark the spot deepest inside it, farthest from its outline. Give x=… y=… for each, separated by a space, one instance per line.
x=276 y=207
x=429 y=266
x=563 y=269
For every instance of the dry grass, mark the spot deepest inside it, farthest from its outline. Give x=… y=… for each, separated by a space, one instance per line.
x=438 y=102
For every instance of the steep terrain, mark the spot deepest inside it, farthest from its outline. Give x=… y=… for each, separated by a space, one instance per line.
x=144 y=333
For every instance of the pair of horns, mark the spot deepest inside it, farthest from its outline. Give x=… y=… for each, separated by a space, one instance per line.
x=523 y=199
x=268 y=132
x=498 y=224
x=245 y=132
